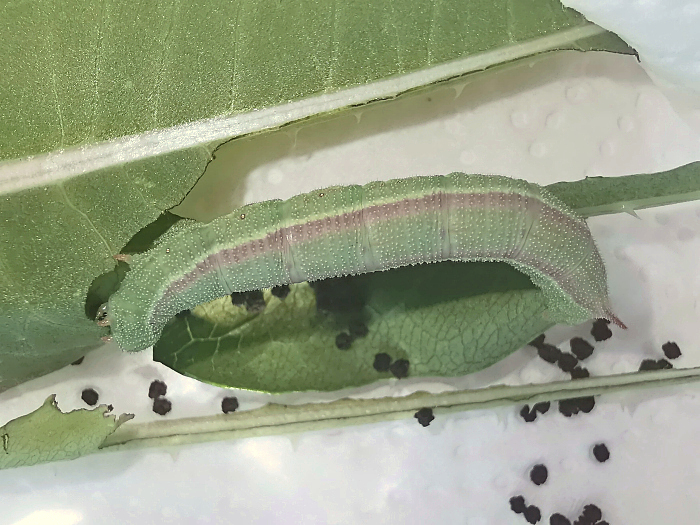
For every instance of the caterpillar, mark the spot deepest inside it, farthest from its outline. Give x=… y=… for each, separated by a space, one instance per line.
x=347 y=230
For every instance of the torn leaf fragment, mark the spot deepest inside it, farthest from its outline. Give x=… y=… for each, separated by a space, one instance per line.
x=47 y=434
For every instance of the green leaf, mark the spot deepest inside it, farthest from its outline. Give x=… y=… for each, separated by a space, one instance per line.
x=80 y=73
x=65 y=239
x=47 y=434
x=446 y=319
x=602 y=195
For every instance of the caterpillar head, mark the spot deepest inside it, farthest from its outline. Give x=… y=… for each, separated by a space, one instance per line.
x=101 y=317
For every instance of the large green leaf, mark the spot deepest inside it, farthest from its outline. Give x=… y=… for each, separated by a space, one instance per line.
x=110 y=113
x=55 y=240
x=47 y=434
x=83 y=72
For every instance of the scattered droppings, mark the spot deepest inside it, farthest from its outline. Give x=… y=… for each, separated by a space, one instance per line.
x=647 y=364
x=90 y=396
x=567 y=362
x=538 y=341
x=654 y=364
x=343 y=340
x=586 y=404
x=663 y=364
x=549 y=353
x=161 y=406
x=558 y=519
x=110 y=407
x=157 y=388
x=528 y=416
x=581 y=348
x=538 y=474
x=280 y=291
x=78 y=361
x=184 y=313
x=592 y=513
x=579 y=373
x=671 y=350
x=254 y=300
x=399 y=368
x=424 y=416
x=382 y=362
x=358 y=329
x=517 y=504
x=229 y=404
x=570 y=407
x=601 y=452
x=532 y=514
x=541 y=407
x=601 y=330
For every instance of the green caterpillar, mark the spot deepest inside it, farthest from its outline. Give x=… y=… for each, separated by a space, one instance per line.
x=345 y=230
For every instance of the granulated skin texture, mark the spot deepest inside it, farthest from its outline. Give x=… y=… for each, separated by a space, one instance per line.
x=359 y=229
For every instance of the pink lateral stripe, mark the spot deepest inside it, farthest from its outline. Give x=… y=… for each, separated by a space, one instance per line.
x=282 y=238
